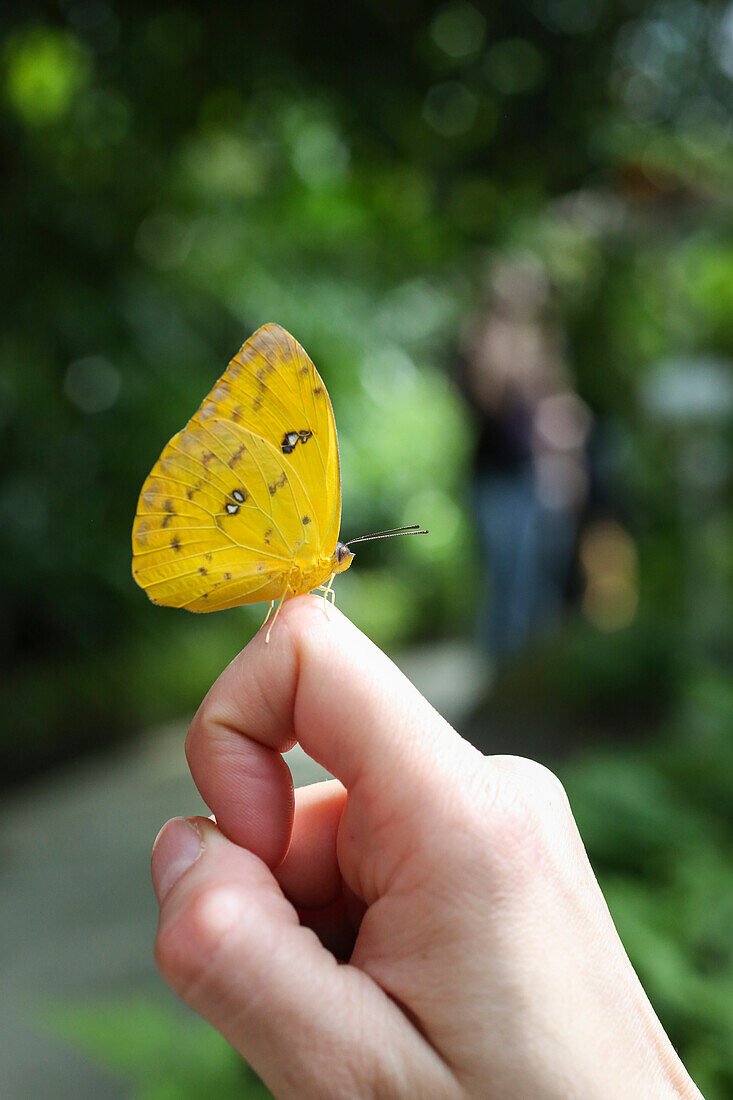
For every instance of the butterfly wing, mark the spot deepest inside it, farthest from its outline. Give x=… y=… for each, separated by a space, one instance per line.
x=248 y=490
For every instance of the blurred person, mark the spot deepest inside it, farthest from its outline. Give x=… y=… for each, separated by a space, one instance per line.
x=530 y=477
x=426 y=924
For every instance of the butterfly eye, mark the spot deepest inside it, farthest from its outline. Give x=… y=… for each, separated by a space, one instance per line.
x=342 y=553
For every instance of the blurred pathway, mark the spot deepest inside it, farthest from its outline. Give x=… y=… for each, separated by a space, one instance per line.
x=76 y=906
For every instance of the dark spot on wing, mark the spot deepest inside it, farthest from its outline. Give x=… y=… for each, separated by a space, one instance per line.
x=227 y=576
x=207 y=457
x=268 y=535
x=166 y=520
x=241 y=449
x=190 y=492
x=207 y=557
x=318 y=390
x=289 y=442
x=202 y=571
x=175 y=543
x=304 y=369
x=291 y=439
x=282 y=480
x=305 y=520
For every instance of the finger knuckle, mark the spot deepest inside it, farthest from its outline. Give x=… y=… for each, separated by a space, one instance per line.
x=194 y=733
x=546 y=784
x=490 y=821
x=509 y=819
x=538 y=784
x=189 y=948
x=528 y=817
x=514 y=804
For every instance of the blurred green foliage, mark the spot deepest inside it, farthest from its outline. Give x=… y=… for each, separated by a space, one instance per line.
x=658 y=826
x=175 y=176
x=158 y=1053
x=175 y=180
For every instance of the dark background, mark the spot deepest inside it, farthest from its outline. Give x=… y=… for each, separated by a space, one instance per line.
x=176 y=175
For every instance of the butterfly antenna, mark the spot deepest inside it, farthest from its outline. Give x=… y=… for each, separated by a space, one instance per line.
x=415 y=529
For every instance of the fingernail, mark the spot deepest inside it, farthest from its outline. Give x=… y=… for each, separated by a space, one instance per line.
x=176 y=847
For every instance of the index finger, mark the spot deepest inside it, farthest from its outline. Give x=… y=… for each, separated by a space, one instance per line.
x=320 y=682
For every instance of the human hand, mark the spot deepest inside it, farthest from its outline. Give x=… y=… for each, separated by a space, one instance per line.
x=482 y=960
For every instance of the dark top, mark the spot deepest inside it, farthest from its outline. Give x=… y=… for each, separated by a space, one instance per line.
x=504 y=443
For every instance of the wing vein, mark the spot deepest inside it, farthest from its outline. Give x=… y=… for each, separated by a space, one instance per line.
x=289 y=469
x=213 y=550
x=222 y=584
x=264 y=480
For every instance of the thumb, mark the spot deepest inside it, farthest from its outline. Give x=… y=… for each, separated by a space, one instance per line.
x=231 y=946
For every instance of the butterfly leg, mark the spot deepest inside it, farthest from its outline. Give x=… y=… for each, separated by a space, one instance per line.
x=322 y=588
x=269 y=612
x=328 y=591
x=274 y=618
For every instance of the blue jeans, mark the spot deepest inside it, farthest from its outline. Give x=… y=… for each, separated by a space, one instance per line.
x=527 y=551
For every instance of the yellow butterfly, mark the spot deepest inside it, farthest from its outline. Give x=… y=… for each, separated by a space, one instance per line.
x=244 y=504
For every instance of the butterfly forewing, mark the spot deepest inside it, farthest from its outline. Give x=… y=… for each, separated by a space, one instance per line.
x=272 y=388
x=247 y=490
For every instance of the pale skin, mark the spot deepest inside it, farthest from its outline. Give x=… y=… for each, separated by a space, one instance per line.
x=425 y=925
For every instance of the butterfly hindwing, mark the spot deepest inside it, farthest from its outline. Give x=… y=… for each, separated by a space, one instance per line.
x=190 y=550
